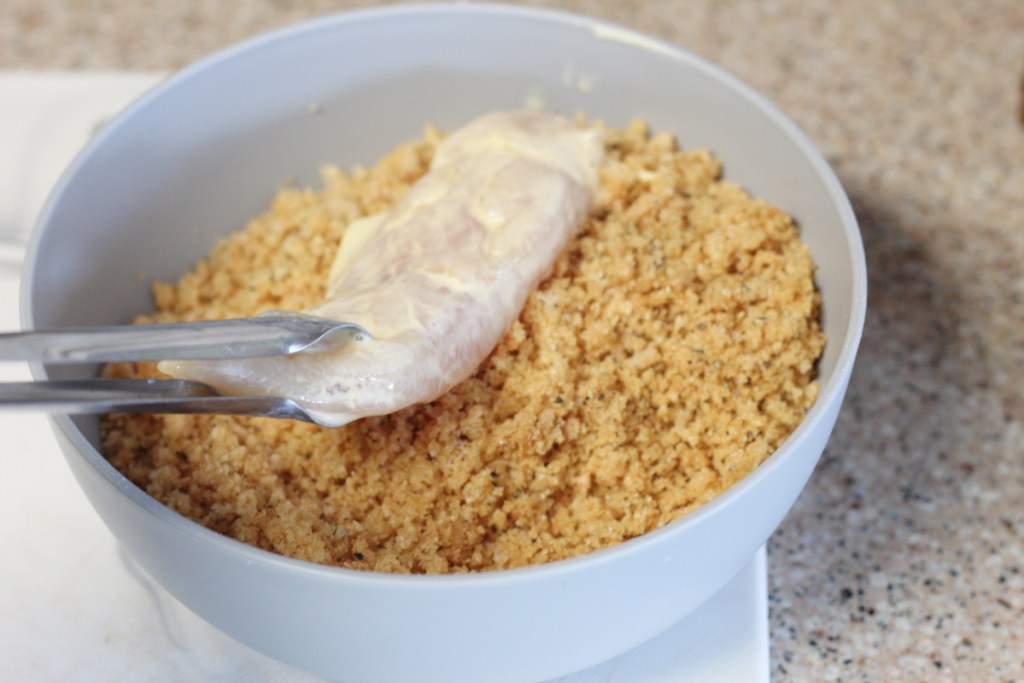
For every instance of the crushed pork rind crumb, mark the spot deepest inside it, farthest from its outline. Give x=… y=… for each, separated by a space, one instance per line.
x=670 y=352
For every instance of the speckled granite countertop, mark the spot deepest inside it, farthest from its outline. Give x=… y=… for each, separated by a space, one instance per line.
x=904 y=558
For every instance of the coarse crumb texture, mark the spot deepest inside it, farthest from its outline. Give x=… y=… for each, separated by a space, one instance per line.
x=672 y=349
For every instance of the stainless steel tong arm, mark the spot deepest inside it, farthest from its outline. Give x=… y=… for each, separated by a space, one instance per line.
x=265 y=335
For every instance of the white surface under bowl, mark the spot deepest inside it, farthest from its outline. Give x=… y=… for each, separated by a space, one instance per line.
x=207 y=148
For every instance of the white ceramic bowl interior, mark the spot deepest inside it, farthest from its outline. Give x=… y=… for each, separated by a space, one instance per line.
x=207 y=148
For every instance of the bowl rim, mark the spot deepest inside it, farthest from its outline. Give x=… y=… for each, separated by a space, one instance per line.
x=830 y=391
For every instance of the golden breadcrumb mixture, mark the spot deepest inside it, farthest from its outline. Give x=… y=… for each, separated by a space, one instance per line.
x=672 y=349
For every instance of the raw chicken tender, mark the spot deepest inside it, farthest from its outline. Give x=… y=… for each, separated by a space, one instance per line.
x=438 y=279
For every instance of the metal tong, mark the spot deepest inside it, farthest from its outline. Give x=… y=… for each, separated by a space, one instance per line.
x=264 y=335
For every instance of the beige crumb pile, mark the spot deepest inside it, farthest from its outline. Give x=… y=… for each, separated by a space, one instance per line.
x=670 y=352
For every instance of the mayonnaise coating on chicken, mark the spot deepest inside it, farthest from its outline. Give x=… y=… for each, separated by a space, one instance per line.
x=438 y=279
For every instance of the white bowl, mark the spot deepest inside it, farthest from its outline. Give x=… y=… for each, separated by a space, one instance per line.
x=206 y=149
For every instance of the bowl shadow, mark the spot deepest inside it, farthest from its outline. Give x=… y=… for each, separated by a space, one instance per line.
x=907 y=513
